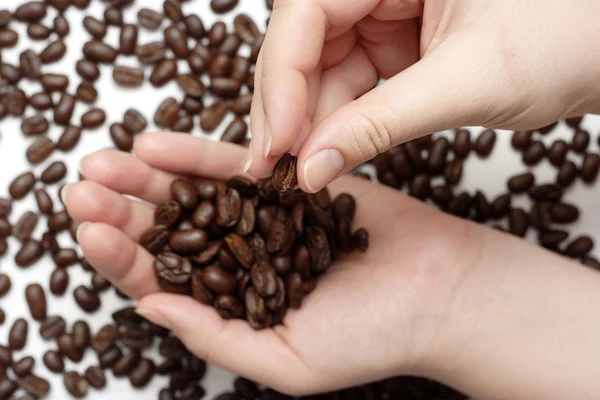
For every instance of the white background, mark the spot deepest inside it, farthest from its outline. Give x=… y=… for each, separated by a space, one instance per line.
x=488 y=175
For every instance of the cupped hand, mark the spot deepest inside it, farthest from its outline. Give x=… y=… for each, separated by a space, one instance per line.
x=372 y=315
x=503 y=64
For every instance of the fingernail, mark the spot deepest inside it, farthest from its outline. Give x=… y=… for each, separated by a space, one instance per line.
x=249 y=161
x=63 y=193
x=267 y=139
x=80 y=167
x=80 y=230
x=153 y=317
x=322 y=167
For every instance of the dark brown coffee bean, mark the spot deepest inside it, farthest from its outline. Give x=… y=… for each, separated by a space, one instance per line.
x=344 y=206
x=17 y=337
x=113 y=16
x=6 y=358
x=54 y=173
x=199 y=291
x=184 y=193
x=142 y=373
x=264 y=278
x=462 y=143
x=246 y=28
x=109 y=357
x=246 y=388
x=5 y=206
x=284 y=175
x=127 y=363
x=52 y=327
x=24 y=366
x=223 y=6
x=197 y=63
x=21 y=185
x=552 y=238
x=173 y=268
x=95 y=377
x=31 y=11
x=65 y=257
x=579 y=247
x=128 y=39
x=53 y=361
x=94 y=27
x=295 y=293
x=30 y=64
x=167 y=213
x=25 y=226
x=219 y=280
x=194 y=26
x=35 y=386
x=521 y=139
x=11 y=73
x=135 y=336
x=558 y=152
x=87 y=299
x=171 y=347
x=213 y=115
x=35 y=125
x=149 y=19
x=93 y=118
x=105 y=338
x=134 y=121
x=36 y=300
x=176 y=39
x=86 y=92
x=204 y=215
x=5 y=228
x=566 y=173
x=235 y=132
x=548 y=128
x=206 y=189
x=420 y=187
x=172 y=9
x=581 y=141
x=30 y=252
x=540 y=216
x=75 y=384
x=99 y=52
x=5 y=18
x=163 y=72
x=53 y=52
x=87 y=69
x=228 y=204
x=59 y=221
x=521 y=183
x=230 y=45
x=240 y=249
x=8 y=38
x=188 y=241
x=17 y=102
x=59 y=280
x=534 y=153
x=39 y=150
x=54 y=82
x=128 y=76
x=99 y=283
x=437 y=155
x=518 y=222
x=191 y=85
x=69 y=138
x=41 y=101
x=64 y=109
x=60 y=5
x=81 y=335
x=217 y=34
x=151 y=53
x=155 y=238
x=7 y=388
x=121 y=137
x=166 y=113
x=192 y=105
x=549 y=192
x=241 y=104
x=225 y=87
x=61 y=26
x=590 y=167
x=184 y=123
x=563 y=213
x=5 y=284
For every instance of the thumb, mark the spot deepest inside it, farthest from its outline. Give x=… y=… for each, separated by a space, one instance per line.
x=443 y=90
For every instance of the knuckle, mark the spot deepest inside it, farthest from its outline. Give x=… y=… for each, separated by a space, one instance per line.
x=369 y=135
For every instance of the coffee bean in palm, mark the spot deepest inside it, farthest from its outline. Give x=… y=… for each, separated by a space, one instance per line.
x=521 y=183
x=566 y=173
x=75 y=384
x=191 y=85
x=163 y=72
x=87 y=299
x=235 y=131
x=54 y=173
x=53 y=361
x=21 y=185
x=580 y=141
x=93 y=118
x=484 y=144
x=59 y=280
x=31 y=250
x=31 y=11
x=99 y=52
x=217 y=34
x=53 y=52
x=95 y=377
x=564 y=213
x=39 y=150
x=5 y=284
x=549 y=192
x=213 y=115
x=54 y=82
x=225 y=87
x=579 y=247
x=34 y=385
x=142 y=373
x=534 y=153
x=223 y=6
x=176 y=39
x=24 y=366
x=30 y=64
x=589 y=168
x=184 y=193
x=128 y=76
x=155 y=238
x=173 y=268
x=41 y=101
x=151 y=53
x=166 y=113
x=17 y=337
x=86 y=92
x=219 y=280
x=61 y=26
x=188 y=241
x=64 y=109
x=558 y=152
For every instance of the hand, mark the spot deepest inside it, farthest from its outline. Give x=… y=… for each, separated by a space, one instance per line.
x=502 y=64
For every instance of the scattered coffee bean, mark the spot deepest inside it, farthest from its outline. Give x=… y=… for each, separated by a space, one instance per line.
x=534 y=153
x=39 y=150
x=24 y=366
x=579 y=247
x=36 y=300
x=95 y=377
x=521 y=183
x=59 y=280
x=53 y=361
x=100 y=52
x=566 y=173
x=128 y=39
x=54 y=173
x=52 y=327
x=163 y=72
x=142 y=373
x=590 y=167
x=17 y=337
x=223 y=6
x=558 y=152
x=75 y=384
x=94 y=27
x=87 y=299
x=93 y=118
x=34 y=385
x=53 y=52
x=581 y=140
x=484 y=144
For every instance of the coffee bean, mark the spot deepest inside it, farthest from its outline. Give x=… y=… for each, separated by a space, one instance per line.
x=81 y=335
x=86 y=92
x=23 y=367
x=113 y=16
x=228 y=203
x=109 y=357
x=240 y=249
x=11 y=73
x=128 y=39
x=41 y=101
x=8 y=38
x=121 y=137
x=192 y=392
x=241 y=104
x=518 y=222
x=581 y=140
x=230 y=45
x=462 y=143
x=128 y=76
x=437 y=155
x=163 y=72
x=126 y=364
x=64 y=109
x=212 y=116
x=194 y=26
x=142 y=373
x=5 y=228
x=219 y=280
x=191 y=85
x=59 y=280
x=185 y=123
x=225 y=87
x=52 y=327
x=223 y=6
x=5 y=206
x=25 y=226
x=75 y=384
x=166 y=394
x=188 y=241
x=534 y=153
x=484 y=144
x=49 y=242
x=521 y=183
x=54 y=173
x=563 y=213
x=548 y=192
x=100 y=52
x=87 y=69
x=552 y=238
x=192 y=105
x=566 y=173
x=53 y=52
x=284 y=175
x=94 y=27
x=149 y=19
x=172 y=9
x=34 y=385
x=184 y=193
x=54 y=82
x=58 y=221
x=134 y=121
x=32 y=11
x=60 y=5
x=155 y=238
x=590 y=167
x=579 y=247
x=61 y=26
x=246 y=388
x=5 y=356
x=104 y=339
x=5 y=284
x=17 y=337
x=65 y=257
x=166 y=113
x=93 y=118
x=99 y=283
x=95 y=377
x=558 y=152
x=420 y=187
x=36 y=300
x=217 y=34
x=177 y=40
x=30 y=64
x=173 y=268
x=540 y=216
x=235 y=132
x=151 y=53
x=344 y=206
x=53 y=361
x=39 y=150
x=246 y=28
x=5 y=18
x=127 y=316
x=35 y=125
x=30 y=252
x=87 y=299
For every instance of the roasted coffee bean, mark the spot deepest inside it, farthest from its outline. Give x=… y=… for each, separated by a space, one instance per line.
x=87 y=299
x=521 y=183
x=30 y=64
x=552 y=238
x=5 y=18
x=219 y=280
x=230 y=45
x=437 y=155
x=549 y=192
x=284 y=174
x=95 y=377
x=151 y=53
x=521 y=139
x=87 y=69
x=109 y=357
x=54 y=82
x=199 y=291
x=540 y=216
x=121 y=137
x=36 y=300
x=172 y=9
x=30 y=252
x=581 y=141
x=54 y=173
x=295 y=293
x=94 y=27
x=247 y=220
x=155 y=238
x=192 y=105
x=49 y=242
x=534 y=153
x=99 y=283
x=360 y=239
x=228 y=204
x=558 y=152
x=228 y=306
x=484 y=144
x=548 y=128
x=127 y=363
x=171 y=347
x=31 y=11
x=99 y=52
x=53 y=52
x=135 y=336
x=420 y=187
x=16 y=103
x=163 y=72
x=453 y=172
x=81 y=335
x=240 y=249
x=8 y=38
x=3 y=246
x=23 y=367
x=246 y=388
x=173 y=268
x=34 y=385
x=192 y=392
x=113 y=16
x=235 y=132
x=41 y=101
x=53 y=361
x=59 y=280
x=17 y=337
x=518 y=222
x=34 y=125
x=149 y=19
x=86 y=92
x=5 y=284
x=191 y=85
x=128 y=76
x=142 y=373
x=217 y=34
x=6 y=358
x=184 y=123
x=204 y=215
x=5 y=227
x=213 y=115
x=566 y=173
x=184 y=193
x=61 y=26
x=590 y=167
x=197 y=63
x=241 y=104
x=177 y=40
x=344 y=206
x=134 y=121
x=223 y=6
x=188 y=241
x=579 y=247
x=281 y=237
x=221 y=66
x=460 y=205
x=246 y=28
x=64 y=109
x=58 y=221
x=39 y=150
x=462 y=143
x=225 y=87
x=128 y=39
x=60 y=5
x=5 y=206
x=11 y=73
x=52 y=327
x=93 y=118
x=75 y=384
x=105 y=338
x=264 y=278
x=166 y=113
x=167 y=213
x=563 y=213
x=25 y=225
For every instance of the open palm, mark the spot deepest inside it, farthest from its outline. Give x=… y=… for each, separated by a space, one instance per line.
x=372 y=315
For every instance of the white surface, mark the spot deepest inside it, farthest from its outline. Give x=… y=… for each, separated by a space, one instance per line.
x=489 y=175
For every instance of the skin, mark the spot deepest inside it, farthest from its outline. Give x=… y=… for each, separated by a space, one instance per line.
x=447 y=64
x=482 y=311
